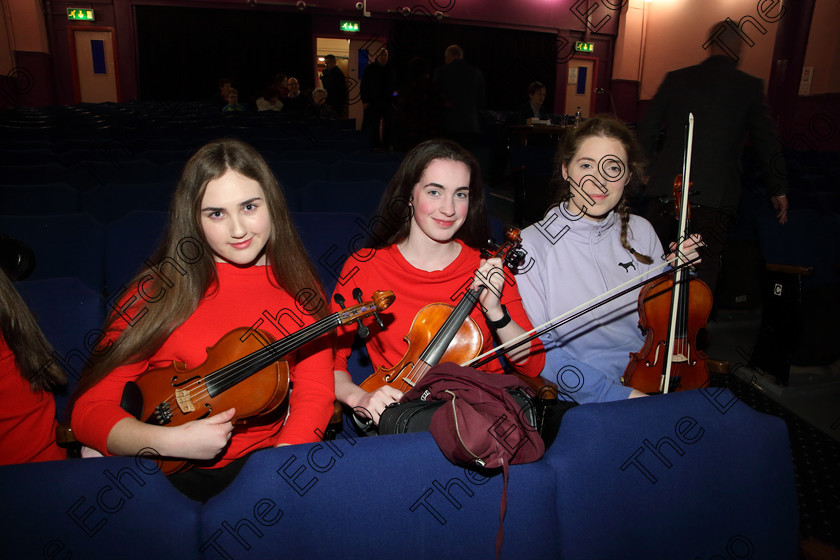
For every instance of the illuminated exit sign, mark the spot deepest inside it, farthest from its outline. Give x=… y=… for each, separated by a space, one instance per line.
x=349 y=26
x=80 y=14
x=581 y=46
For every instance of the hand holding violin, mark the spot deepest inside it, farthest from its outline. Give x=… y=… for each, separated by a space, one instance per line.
x=688 y=251
x=370 y=405
x=205 y=438
x=490 y=275
x=197 y=440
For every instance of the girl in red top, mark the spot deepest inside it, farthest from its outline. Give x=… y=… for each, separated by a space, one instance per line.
x=27 y=409
x=432 y=220
x=230 y=258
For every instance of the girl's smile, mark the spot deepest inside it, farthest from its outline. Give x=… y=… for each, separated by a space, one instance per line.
x=597 y=174
x=440 y=200
x=235 y=219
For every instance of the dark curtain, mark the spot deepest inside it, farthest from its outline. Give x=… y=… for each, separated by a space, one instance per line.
x=184 y=51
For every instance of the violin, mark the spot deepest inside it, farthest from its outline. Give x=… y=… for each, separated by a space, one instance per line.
x=672 y=312
x=244 y=369
x=440 y=332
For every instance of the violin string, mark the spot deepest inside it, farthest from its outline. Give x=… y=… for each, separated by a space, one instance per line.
x=576 y=312
x=242 y=368
x=451 y=325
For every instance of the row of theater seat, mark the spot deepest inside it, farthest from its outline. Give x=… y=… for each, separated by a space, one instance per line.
x=696 y=474
x=109 y=202
x=104 y=258
x=293 y=173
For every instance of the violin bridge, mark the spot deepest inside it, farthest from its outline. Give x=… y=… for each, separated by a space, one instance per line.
x=182 y=397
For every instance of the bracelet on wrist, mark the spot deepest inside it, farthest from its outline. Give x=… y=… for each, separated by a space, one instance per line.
x=501 y=323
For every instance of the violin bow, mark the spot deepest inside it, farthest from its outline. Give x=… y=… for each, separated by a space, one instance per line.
x=679 y=272
x=582 y=309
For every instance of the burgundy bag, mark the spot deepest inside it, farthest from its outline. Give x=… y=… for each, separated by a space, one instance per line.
x=480 y=423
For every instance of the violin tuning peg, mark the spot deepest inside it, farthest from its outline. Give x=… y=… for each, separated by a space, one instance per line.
x=378 y=319
x=363 y=331
x=516 y=258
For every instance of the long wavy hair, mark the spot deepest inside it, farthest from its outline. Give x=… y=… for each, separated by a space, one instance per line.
x=604 y=126
x=23 y=336
x=394 y=212
x=288 y=265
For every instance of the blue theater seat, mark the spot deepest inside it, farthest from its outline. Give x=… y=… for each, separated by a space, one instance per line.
x=685 y=475
x=329 y=239
x=360 y=197
x=69 y=313
x=129 y=241
x=109 y=202
x=95 y=508
x=164 y=157
x=35 y=174
x=326 y=157
x=809 y=238
x=89 y=174
x=64 y=245
x=95 y=152
x=351 y=170
x=39 y=200
x=424 y=506
x=296 y=174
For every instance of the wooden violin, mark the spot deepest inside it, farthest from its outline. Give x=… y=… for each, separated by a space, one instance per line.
x=244 y=369
x=672 y=312
x=439 y=332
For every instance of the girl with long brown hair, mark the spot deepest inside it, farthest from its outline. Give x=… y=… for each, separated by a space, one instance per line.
x=28 y=374
x=230 y=258
x=587 y=244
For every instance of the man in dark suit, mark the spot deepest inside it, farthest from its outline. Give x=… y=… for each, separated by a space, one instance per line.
x=377 y=91
x=728 y=105
x=334 y=82
x=462 y=88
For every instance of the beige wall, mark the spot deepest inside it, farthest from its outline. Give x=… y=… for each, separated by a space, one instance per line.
x=823 y=53
x=30 y=32
x=676 y=31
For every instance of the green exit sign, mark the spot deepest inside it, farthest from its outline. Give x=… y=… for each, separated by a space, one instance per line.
x=581 y=46
x=80 y=14
x=349 y=26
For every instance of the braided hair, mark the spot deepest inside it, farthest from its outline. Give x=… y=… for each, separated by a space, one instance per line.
x=607 y=127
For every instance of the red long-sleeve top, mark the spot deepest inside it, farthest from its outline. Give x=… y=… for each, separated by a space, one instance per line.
x=245 y=298
x=27 y=417
x=387 y=269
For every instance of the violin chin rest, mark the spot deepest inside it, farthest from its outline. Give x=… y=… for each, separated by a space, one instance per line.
x=132 y=399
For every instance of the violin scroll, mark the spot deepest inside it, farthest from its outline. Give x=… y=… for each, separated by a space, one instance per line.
x=381 y=300
x=509 y=251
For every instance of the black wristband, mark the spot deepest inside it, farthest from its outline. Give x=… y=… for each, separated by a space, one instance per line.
x=501 y=323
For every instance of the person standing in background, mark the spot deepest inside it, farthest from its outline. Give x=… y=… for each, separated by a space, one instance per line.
x=728 y=105
x=462 y=87
x=334 y=82
x=377 y=89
